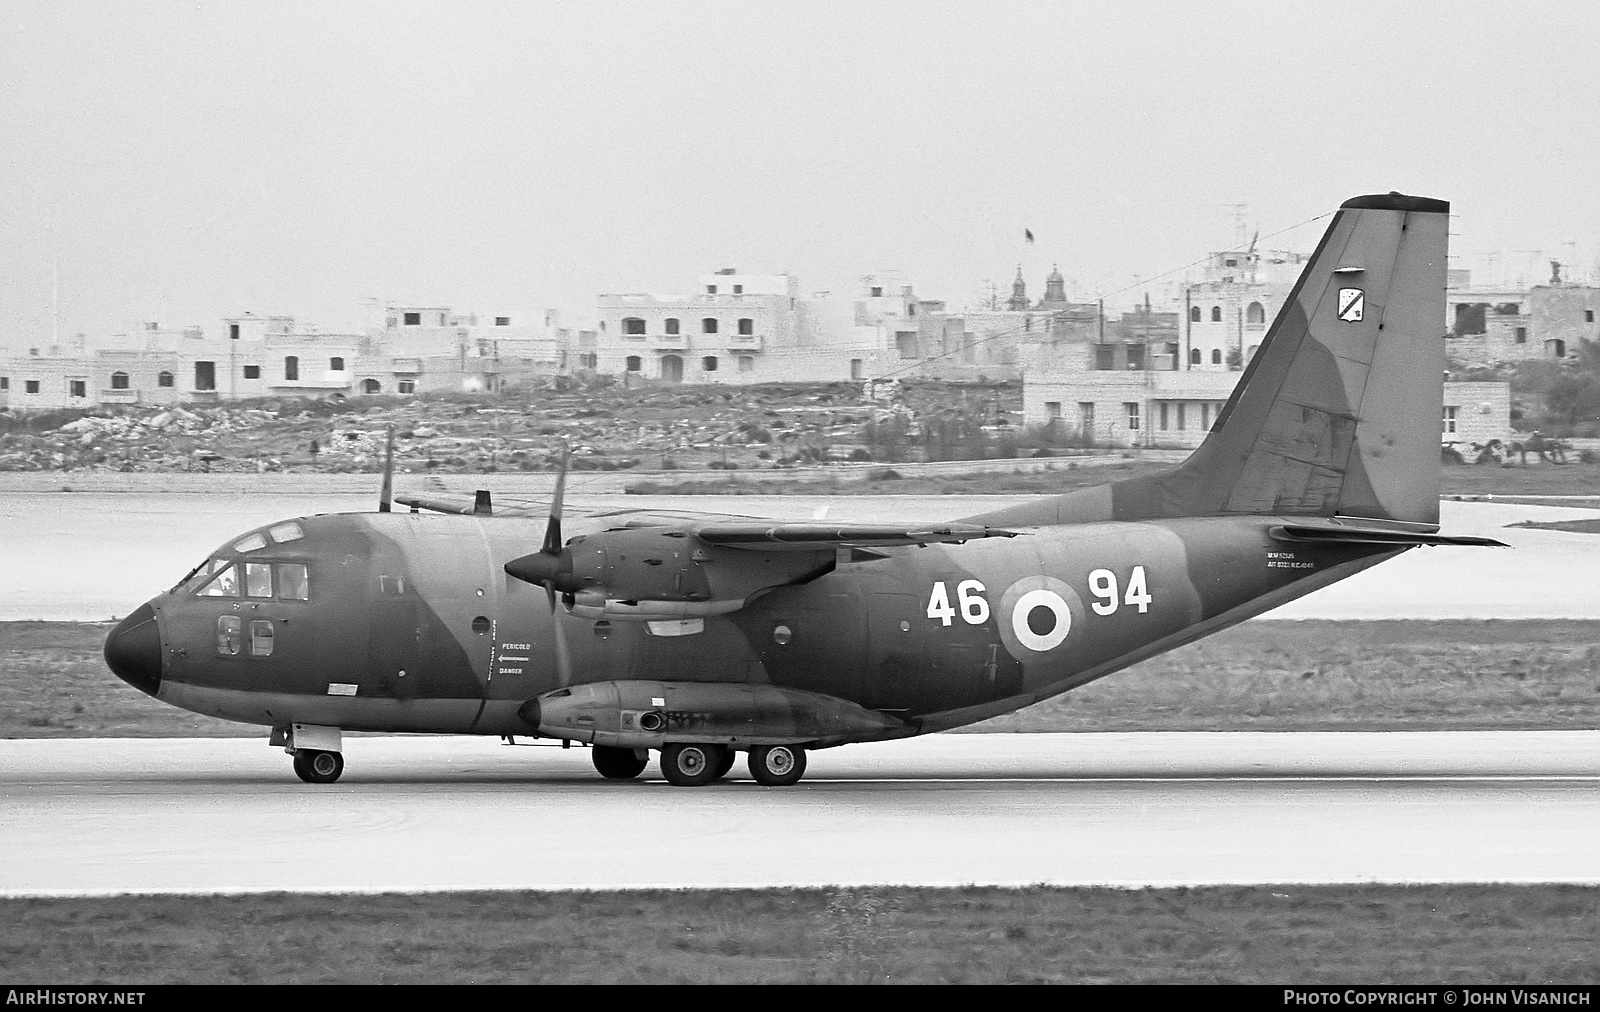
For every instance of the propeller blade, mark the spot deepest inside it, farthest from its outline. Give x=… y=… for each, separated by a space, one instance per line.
x=552 y=532
x=386 y=494
x=563 y=658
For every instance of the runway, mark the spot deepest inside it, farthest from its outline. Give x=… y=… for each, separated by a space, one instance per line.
x=86 y=816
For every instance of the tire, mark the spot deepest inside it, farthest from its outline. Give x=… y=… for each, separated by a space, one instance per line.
x=690 y=765
x=726 y=762
x=777 y=765
x=616 y=763
x=318 y=767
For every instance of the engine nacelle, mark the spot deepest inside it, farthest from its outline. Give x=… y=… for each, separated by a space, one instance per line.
x=648 y=714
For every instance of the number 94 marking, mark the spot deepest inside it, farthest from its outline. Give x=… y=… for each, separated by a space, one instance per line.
x=973 y=607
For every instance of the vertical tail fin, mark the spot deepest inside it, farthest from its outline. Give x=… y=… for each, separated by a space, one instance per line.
x=1338 y=412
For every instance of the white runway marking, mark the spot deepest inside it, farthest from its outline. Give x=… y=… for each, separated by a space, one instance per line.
x=423 y=814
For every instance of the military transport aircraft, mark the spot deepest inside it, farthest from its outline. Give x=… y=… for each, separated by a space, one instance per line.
x=702 y=636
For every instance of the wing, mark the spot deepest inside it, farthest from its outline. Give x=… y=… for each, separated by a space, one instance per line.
x=768 y=537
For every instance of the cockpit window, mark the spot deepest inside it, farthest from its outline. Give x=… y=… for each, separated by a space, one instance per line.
x=258 y=579
x=286 y=532
x=292 y=581
x=250 y=543
x=224 y=584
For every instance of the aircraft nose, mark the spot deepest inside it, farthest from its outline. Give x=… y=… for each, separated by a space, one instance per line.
x=133 y=650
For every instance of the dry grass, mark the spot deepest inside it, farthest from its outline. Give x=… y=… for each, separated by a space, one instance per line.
x=1346 y=676
x=1312 y=935
x=1262 y=676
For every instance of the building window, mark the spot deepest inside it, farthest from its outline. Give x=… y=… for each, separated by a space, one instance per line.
x=1180 y=416
x=711 y=289
x=5 y=382
x=205 y=375
x=164 y=380
x=633 y=325
x=877 y=293
x=634 y=363
x=1135 y=353
x=1104 y=356
x=291 y=367
x=906 y=342
x=1086 y=418
x=336 y=364
x=1194 y=356
x=1588 y=316
x=30 y=386
x=857 y=369
x=1216 y=314
x=371 y=386
x=502 y=321
x=1522 y=335
x=708 y=325
x=1449 y=419
x=747 y=363
x=709 y=363
x=738 y=289
x=671 y=324
x=747 y=326
x=589 y=360
x=252 y=372
x=1255 y=315
x=406 y=386
x=1216 y=356
x=78 y=388
x=233 y=331
x=1163 y=416
x=1052 y=410
x=119 y=381
x=413 y=319
x=1132 y=409
x=1194 y=314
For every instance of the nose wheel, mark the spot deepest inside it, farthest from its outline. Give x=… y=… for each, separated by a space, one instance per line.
x=315 y=767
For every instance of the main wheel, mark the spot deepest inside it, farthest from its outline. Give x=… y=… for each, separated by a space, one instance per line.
x=777 y=765
x=690 y=765
x=725 y=763
x=615 y=763
x=318 y=767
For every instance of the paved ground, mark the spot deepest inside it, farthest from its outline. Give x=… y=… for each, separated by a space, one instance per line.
x=208 y=815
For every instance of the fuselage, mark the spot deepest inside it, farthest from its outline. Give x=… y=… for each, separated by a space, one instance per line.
x=408 y=622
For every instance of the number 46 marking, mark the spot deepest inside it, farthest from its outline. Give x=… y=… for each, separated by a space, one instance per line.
x=969 y=594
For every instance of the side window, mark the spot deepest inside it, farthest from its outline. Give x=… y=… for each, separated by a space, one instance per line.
x=230 y=638
x=224 y=584
x=260 y=638
x=257 y=579
x=292 y=584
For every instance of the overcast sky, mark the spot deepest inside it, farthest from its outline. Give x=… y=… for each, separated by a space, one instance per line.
x=188 y=161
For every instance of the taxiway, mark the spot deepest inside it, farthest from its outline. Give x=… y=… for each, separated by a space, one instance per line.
x=107 y=816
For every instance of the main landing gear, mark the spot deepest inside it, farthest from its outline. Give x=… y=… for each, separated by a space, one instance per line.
x=692 y=764
x=615 y=763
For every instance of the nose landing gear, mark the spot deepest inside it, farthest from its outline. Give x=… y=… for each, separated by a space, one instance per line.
x=315 y=767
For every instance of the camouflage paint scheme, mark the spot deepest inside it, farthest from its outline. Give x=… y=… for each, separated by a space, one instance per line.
x=1324 y=462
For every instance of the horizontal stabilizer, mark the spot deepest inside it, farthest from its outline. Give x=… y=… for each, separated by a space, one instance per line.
x=1345 y=534
x=812 y=536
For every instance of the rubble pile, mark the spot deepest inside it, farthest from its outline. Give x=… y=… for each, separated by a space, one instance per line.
x=606 y=429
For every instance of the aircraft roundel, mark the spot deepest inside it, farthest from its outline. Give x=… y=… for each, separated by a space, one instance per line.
x=1036 y=615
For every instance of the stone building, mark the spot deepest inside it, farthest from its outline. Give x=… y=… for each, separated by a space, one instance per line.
x=417 y=349
x=1490 y=325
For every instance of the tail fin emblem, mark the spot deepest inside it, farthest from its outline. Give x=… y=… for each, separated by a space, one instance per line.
x=1351 y=303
